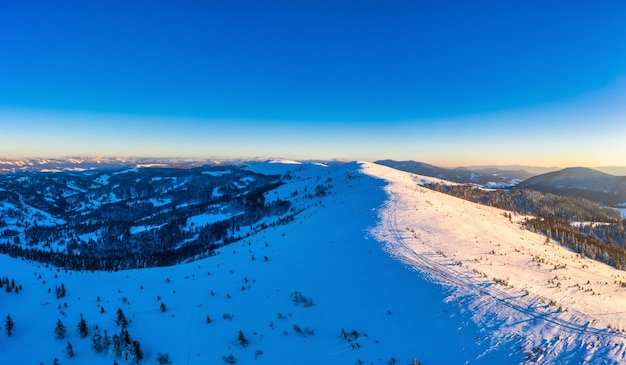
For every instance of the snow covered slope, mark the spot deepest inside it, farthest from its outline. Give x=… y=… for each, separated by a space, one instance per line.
x=516 y=284
x=373 y=270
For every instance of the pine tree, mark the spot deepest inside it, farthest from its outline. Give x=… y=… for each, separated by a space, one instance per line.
x=82 y=328
x=60 y=291
x=106 y=341
x=163 y=307
x=115 y=349
x=69 y=350
x=242 y=340
x=60 y=331
x=9 y=324
x=120 y=318
x=55 y=361
x=134 y=352
x=96 y=342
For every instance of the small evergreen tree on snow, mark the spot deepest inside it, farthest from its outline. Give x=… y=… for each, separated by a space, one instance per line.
x=115 y=349
x=8 y=325
x=60 y=331
x=133 y=352
x=69 y=350
x=106 y=341
x=125 y=336
x=96 y=342
x=82 y=328
x=55 y=361
x=120 y=318
x=242 y=340
x=163 y=359
x=163 y=307
x=60 y=291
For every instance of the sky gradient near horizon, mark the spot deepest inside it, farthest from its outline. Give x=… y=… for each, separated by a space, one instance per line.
x=450 y=83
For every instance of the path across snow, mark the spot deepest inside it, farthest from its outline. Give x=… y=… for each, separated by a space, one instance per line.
x=517 y=285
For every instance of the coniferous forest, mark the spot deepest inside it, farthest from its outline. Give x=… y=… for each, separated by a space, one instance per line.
x=132 y=217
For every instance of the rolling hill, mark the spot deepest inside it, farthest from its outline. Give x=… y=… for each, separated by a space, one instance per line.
x=581 y=182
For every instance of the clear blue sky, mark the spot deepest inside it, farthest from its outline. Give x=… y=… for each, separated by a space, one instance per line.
x=445 y=82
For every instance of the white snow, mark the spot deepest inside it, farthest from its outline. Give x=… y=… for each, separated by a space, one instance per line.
x=103 y=179
x=73 y=186
x=160 y=202
x=502 y=185
x=208 y=218
x=285 y=162
x=512 y=280
x=622 y=209
x=216 y=193
x=423 y=288
x=217 y=173
x=139 y=229
x=92 y=235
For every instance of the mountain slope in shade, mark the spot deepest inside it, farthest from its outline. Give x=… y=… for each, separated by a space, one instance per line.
x=489 y=177
x=581 y=182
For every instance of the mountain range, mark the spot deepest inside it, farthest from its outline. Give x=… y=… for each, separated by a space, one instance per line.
x=488 y=176
x=575 y=181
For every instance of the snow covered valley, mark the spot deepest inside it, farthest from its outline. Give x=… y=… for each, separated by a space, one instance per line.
x=373 y=270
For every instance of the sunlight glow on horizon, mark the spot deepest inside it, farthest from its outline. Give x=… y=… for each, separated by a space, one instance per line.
x=558 y=136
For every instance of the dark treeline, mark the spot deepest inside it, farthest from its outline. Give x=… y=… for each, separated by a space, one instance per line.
x=123 y=260
x=603 y=250
x=602 y=237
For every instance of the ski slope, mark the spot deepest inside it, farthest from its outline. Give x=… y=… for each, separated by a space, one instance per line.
x=404 y=272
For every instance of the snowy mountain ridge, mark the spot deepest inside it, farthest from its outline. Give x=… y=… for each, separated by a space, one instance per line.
x=374 y=269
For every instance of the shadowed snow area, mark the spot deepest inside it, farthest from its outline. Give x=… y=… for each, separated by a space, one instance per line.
x=374 y=270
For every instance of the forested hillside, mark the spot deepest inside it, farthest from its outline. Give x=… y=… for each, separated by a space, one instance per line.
x=583 y=225
x=130 y=218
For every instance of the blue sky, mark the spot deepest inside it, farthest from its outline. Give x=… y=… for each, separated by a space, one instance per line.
x=446 y=82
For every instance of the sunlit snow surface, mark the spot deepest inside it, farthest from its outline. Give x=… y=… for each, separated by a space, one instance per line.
x=402 y=266
x=513 y=282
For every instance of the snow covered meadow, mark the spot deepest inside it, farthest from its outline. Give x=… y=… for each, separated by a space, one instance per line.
x=373 y=270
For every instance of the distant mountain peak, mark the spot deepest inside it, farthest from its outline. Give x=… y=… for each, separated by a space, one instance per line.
x=581 y=182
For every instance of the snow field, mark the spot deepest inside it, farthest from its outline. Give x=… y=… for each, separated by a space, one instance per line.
x=327 y=254
x=515 y=283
